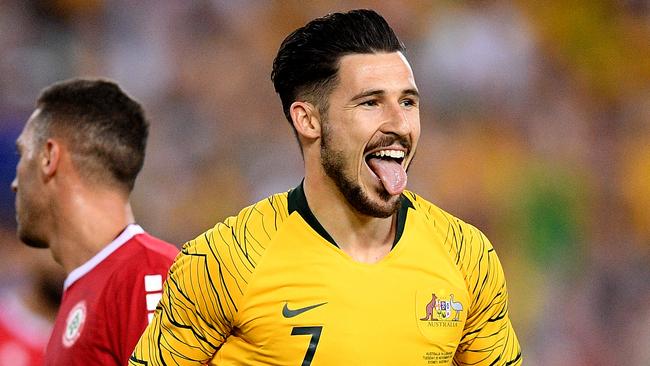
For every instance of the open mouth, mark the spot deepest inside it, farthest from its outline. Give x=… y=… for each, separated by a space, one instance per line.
x=387 y=154
x=386 y=164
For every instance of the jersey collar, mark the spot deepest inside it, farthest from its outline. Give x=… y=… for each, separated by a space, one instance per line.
x=130 y=231
x=298 y=202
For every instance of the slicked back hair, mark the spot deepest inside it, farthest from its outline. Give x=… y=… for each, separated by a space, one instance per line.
x=104 y=129
x=307 y=63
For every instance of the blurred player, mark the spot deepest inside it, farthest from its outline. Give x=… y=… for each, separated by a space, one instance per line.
x=28 y=303
x=348 y=268
x=80 y=153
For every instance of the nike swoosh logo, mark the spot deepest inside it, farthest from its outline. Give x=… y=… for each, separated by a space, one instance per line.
x=290 y=313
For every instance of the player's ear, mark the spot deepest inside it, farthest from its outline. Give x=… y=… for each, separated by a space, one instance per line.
x=50 y=158
x=306 y=119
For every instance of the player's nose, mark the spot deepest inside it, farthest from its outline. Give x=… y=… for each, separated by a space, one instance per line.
x=397 y=121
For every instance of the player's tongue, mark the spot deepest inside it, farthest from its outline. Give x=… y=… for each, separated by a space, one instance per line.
x=391 y=173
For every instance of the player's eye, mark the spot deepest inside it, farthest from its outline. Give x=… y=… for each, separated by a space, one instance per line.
x=409 y=102
x=369 y=103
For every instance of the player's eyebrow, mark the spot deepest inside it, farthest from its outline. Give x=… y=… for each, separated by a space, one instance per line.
x=411 y=92
x=368 y=93
x=379 y=92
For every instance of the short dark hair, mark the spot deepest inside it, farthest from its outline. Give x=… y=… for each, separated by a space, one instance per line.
x=106 y=131
x=307 y=63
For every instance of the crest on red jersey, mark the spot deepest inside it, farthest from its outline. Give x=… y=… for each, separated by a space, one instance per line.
x=74 y=324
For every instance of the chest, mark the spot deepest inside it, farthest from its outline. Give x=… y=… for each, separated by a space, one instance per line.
x=80 y=323
x=310 y=303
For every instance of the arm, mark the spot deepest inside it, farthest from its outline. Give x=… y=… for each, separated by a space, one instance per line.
x=194 y=315
x=488 y=337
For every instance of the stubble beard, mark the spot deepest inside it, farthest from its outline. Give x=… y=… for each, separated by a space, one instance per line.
x=29 y=239
x=333 y=162
x=26 y=226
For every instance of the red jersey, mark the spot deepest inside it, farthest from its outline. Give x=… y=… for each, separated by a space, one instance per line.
x=23 y=334
x=109 y=300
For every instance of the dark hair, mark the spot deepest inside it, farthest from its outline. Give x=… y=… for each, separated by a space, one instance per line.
x=106 y=131
x=307 y=62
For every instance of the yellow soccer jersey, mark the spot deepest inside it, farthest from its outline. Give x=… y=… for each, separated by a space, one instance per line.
x=270 y=287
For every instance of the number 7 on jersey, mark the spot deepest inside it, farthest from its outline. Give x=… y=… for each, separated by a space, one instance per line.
x=313 y=343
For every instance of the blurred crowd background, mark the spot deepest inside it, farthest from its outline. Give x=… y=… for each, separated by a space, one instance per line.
x=535 y=119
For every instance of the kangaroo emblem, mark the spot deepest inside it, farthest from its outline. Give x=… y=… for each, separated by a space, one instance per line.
x=431 y=306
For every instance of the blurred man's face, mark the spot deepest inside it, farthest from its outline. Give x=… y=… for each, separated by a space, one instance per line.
x=28 y=186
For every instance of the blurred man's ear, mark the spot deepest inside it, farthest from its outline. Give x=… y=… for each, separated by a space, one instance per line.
x=51 y=156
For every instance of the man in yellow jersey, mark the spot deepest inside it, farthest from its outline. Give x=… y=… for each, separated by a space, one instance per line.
x=348 y=268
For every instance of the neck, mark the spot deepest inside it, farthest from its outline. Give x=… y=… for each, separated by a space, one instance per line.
x=366 y=239
x=87 y=222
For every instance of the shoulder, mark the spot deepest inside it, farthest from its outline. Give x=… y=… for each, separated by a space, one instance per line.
x=219 y=263
x=247 y=232
x=435 y=215
x=470 y=250
x=265 y=216
x=144 y=250
x=466 y=243
x=233 y=247
x=138 y=271
x=154 y=247
x=141 y=256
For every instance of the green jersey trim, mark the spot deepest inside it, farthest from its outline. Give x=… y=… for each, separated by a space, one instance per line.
x=297 y=201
